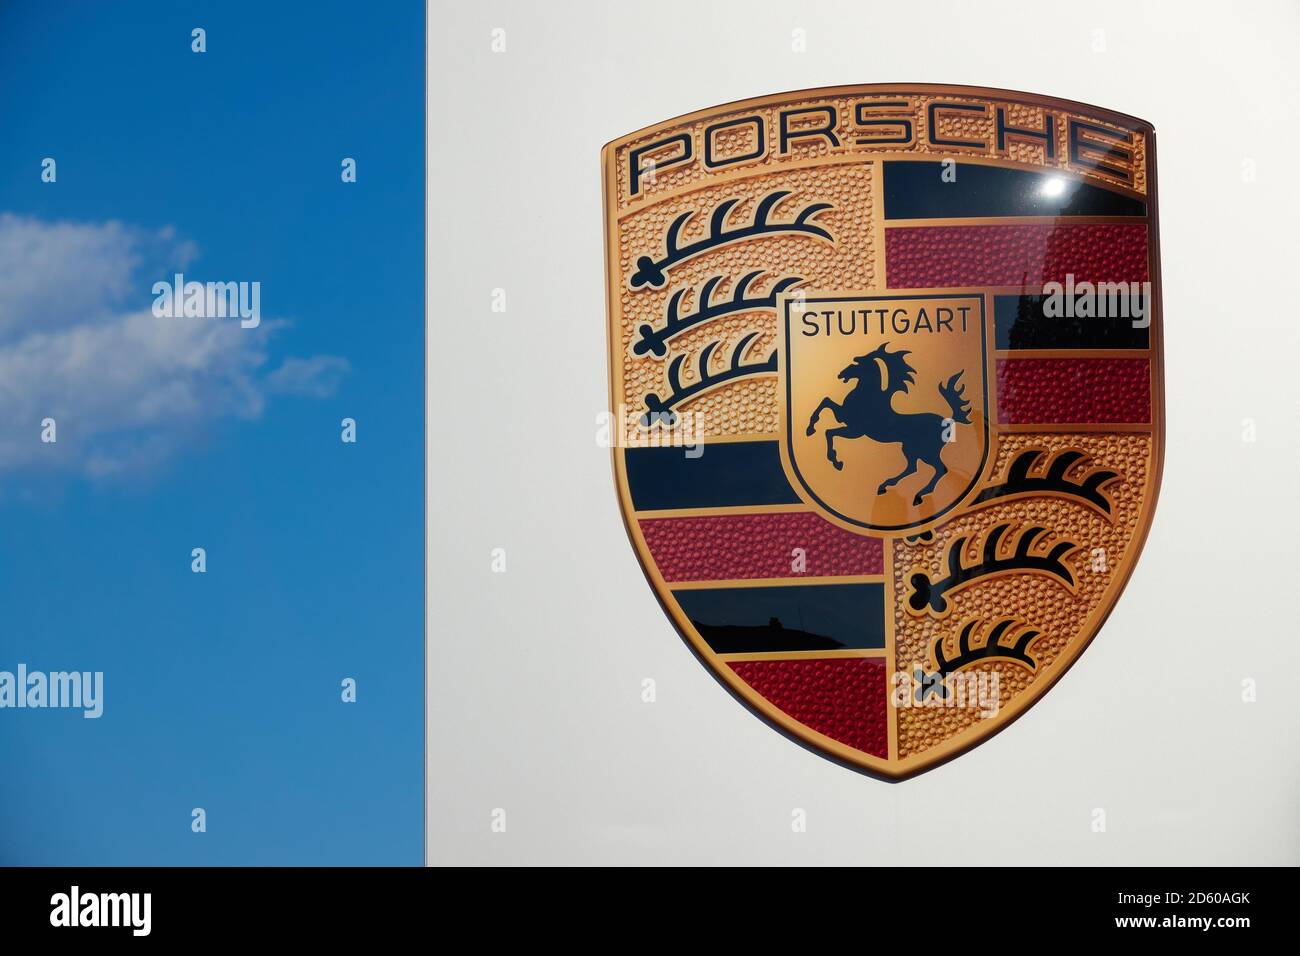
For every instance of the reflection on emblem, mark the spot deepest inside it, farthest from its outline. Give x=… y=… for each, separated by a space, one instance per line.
x=886 y=367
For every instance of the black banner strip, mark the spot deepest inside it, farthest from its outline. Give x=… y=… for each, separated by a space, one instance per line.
x=1022 y=323
x=722 y=475
x=1228 y=908
x=919 y=190
x=798 y=617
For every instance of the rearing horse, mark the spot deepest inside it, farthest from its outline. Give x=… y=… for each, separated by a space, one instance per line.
x=868 y=411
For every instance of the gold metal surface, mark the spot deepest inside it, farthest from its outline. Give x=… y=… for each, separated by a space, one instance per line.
x=714 y=291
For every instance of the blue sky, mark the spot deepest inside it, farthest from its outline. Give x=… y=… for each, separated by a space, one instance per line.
x=221 y=689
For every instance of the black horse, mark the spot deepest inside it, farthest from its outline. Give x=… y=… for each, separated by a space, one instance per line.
x=868 y=411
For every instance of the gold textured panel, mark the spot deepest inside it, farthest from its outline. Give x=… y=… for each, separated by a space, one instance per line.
x=749 y=405
x=1042 y=602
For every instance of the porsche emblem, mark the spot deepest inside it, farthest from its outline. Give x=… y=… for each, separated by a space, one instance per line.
x=885 y=363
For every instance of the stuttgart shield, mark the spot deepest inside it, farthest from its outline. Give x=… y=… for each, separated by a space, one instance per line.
x=886 y=368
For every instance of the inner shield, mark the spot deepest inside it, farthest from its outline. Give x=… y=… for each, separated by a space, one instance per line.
x=884 y=404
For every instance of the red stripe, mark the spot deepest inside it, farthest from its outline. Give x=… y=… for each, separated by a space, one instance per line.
x=923 y=257
x=726 y=547
x=1070 y=391
x=843 y=698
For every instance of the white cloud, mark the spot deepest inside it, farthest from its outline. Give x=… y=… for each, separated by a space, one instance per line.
x=315 y=377
x=79 y=344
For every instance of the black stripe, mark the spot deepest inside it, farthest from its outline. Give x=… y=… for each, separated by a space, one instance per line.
x=917 y=191
x=803 y=617
x=1021 y=324
x=725 y=474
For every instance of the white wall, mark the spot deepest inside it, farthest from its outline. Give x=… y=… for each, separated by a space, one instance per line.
x=534 y=675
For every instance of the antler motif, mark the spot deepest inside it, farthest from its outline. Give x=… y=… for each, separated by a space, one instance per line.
x=927 y=595
x=1052 y=480
x=991 y=648
x=651 y=272
x=655 y=340
x=661 y=410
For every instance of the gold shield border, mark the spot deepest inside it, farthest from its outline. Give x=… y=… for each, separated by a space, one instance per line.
x=888 y=769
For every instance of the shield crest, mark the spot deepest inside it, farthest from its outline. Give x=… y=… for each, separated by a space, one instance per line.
x=886 y=373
